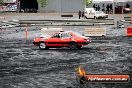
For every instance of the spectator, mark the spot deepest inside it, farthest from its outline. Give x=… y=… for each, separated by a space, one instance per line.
x=98 y=8
x=127 y=5
x=79 y=14
x=111 y=8
x=94 y=6
x=82 y=13
x=103 y=8
x=107 y=8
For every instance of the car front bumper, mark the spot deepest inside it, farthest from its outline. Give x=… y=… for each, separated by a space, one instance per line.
x=86 y=43
x=36 y=43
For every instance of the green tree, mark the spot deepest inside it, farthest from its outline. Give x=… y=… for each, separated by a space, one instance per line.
x=87 y=2
x=43 y=3
x=1 y=2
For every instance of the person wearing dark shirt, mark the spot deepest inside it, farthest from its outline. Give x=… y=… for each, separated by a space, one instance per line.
x=83 y=13
x=79 y=14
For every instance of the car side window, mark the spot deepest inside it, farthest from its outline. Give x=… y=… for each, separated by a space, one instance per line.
x=65 y=35
x=56 y=35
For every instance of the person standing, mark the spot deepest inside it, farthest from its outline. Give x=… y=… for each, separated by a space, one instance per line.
x=94 y=6
x=110 y=7
x=98 y=8
x=82 y=13
x=107 y=9
x=103 y=8
x=79 y=14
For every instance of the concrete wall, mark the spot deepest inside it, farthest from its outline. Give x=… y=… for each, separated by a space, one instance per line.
x=62 y=6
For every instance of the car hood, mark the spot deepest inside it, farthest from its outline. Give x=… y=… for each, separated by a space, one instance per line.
x=45 y=36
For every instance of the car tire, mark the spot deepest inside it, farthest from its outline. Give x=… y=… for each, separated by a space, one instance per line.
x=79 y=47
x=72 y=45
x=42 y=46
x=82 y=80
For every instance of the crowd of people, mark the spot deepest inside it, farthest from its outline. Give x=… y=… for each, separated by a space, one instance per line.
x=81 y=14
x=107 y=9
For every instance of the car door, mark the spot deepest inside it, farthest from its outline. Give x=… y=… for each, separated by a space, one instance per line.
x=90 y=14
x=66 y=38
x=54 y=41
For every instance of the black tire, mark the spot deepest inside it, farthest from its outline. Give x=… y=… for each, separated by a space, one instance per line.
x=82 y=80
x=72 y=45
x=42 y=46
x=79 y=47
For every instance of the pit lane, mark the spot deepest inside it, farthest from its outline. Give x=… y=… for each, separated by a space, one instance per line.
x=23 y=65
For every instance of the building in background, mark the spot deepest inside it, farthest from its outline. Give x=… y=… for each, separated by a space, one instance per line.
x=51 y=5
x=75 y=5
x=63 y=6
x=70 y=6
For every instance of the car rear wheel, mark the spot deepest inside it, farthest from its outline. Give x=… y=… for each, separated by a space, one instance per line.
x=42 y=45
x=82 y=80
x=73 y=45
x=79 y=47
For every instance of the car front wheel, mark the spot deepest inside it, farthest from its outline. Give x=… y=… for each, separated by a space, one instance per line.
x=73 y=45
x=42 y=45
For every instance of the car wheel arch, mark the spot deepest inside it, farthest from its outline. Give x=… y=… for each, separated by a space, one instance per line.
x=46 y=47
x=73 y=42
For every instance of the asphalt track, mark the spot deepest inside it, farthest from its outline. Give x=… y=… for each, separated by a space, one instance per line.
x=23 y=65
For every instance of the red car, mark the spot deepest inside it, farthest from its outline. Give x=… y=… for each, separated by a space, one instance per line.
x=62 y=39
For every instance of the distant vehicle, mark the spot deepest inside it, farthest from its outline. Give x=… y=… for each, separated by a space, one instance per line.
x=62 y=39
x=96 y=14
x=88 y=10
x=120 y=9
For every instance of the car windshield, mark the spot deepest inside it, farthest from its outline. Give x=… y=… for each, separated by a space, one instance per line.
x=45 y=35
x=77 y=34
x=99 y=12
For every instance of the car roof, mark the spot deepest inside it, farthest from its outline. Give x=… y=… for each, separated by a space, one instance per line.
x=64 y=32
